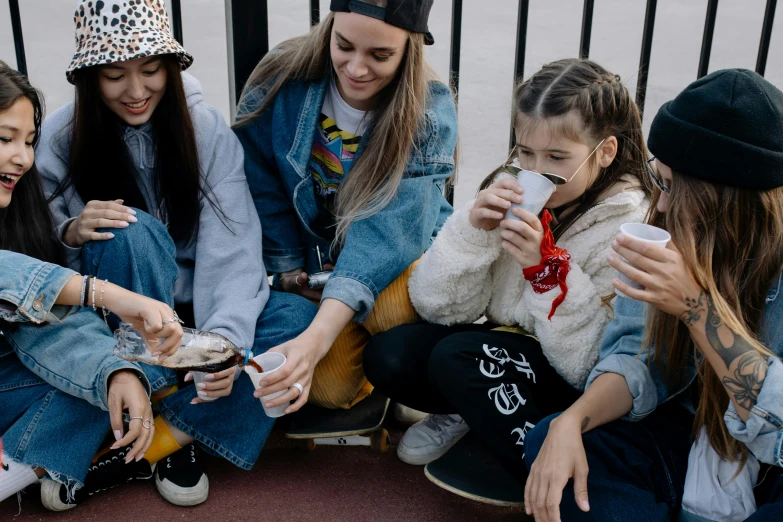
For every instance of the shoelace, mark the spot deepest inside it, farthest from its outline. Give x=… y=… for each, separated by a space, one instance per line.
x=438 y=423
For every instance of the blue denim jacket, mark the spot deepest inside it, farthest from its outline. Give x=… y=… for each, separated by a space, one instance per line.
x=82 y=361
x=377 y=249
x=620 y=353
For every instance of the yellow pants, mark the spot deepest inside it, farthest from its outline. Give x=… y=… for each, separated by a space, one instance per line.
x=339 y=380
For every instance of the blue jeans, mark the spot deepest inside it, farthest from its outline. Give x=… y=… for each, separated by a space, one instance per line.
x=637 y=470
x=141 y=258
x=44 y=427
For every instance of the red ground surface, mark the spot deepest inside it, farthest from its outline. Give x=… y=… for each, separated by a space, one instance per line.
x=329 y=484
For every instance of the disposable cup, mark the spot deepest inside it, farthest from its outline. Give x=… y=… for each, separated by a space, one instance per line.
x=270 y=362
x=537 y=191
x=648 y=234
x=198 y=378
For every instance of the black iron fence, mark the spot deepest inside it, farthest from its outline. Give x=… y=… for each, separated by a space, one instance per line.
x=248 y=38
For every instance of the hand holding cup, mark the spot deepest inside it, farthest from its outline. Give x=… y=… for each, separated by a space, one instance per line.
x=492 y=203
x=653 y=273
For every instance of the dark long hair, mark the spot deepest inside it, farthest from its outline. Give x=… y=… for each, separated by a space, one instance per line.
x=26 y=225
x=100 y=166
x=732 y=241
x=603 y=107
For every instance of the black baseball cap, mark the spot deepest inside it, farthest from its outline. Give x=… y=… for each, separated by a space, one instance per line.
x=410 y=15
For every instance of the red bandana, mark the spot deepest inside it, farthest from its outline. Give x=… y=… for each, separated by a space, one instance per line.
x=554 y=267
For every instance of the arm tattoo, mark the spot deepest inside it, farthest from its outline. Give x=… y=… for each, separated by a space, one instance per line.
x=585 y=423
x=751 y=367
x=703 y=308
x=748 y=378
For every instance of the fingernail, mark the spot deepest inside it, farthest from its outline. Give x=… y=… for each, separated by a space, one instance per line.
x=201 y=386
x=156 y=354
x=109 y=235
x=209 y=377
x=115 y=446
x=139 y=458
x=268 y=404
x=117 y=434
x=193 y=401
x=615 y=243
x=132 y=218
x=585 y=505
x=163 y=358
x=123 y=224
x=131 y=211
x=620 y=237
x=610 y=257
x=189 y=377
x=203 y=395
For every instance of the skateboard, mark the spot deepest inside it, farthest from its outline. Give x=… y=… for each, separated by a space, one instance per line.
x=358 y=426
x=470 y=471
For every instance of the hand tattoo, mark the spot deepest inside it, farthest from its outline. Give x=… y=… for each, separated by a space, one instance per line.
x=696 y=309
x=585 y=423
x=748 y=377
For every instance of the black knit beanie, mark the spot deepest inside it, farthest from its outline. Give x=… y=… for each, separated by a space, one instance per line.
x=725 y=128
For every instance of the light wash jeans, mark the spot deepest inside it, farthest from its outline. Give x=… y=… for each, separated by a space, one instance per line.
x=141 y=258
x=44 y=427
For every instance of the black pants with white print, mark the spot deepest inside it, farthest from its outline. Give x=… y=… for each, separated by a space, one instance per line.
x=500 y=382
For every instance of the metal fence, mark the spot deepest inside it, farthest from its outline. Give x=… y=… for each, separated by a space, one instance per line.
x=248 y=38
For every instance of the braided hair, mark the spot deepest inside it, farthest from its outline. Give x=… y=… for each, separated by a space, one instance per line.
x=602 y=107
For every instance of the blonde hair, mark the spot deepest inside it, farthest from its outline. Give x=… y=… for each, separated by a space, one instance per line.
x=732 y=241
x=376 y=174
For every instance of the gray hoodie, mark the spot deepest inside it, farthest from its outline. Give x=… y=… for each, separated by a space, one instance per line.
x=222 y=273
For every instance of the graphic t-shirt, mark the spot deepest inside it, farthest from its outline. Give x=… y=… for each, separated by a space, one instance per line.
x=340 y=129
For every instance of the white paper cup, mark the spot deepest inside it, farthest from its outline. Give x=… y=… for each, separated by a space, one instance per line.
x=648 y=234
x=199 y=377
x=270 y=362
x=537 y=191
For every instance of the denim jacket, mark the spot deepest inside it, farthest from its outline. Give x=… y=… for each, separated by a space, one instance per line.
x=620 y=353
x=82 y=361
x=377 y=249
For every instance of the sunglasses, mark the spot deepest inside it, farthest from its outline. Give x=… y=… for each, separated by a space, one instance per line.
x=556 y=179
x=658 y=181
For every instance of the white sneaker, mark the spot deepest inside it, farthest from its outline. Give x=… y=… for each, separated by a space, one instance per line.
x=429 y=439
x=406 y=415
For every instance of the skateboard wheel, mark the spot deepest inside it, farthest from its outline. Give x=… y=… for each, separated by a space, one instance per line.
x=307 y=445
x=379 y=441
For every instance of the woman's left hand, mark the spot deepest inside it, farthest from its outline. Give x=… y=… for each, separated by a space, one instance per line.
x=522 y=239
x=662 y=272
x=302 y=355
x=218 y=384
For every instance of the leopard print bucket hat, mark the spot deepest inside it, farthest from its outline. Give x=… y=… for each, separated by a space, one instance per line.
x=117 y=31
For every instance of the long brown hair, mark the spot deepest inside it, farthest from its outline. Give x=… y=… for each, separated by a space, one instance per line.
x=376 y=174
x=100 y=167
x=732 y=241
x=602 y=107
x=26 y=224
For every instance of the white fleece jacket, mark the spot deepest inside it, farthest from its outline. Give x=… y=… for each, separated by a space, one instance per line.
x=466 y=273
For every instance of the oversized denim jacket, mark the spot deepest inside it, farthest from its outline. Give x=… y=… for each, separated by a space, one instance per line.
x=377 y=249
x=82 y=363
x=620 y=353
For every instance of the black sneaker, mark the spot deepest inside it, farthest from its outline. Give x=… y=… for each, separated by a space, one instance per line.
x=180 y=478
x=108 y=472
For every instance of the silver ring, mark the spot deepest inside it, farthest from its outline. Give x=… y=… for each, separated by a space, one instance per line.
x=298 y=387
x=147 y=423
x=174 y=319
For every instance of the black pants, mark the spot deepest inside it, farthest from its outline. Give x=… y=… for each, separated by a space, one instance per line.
x=499 y=382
